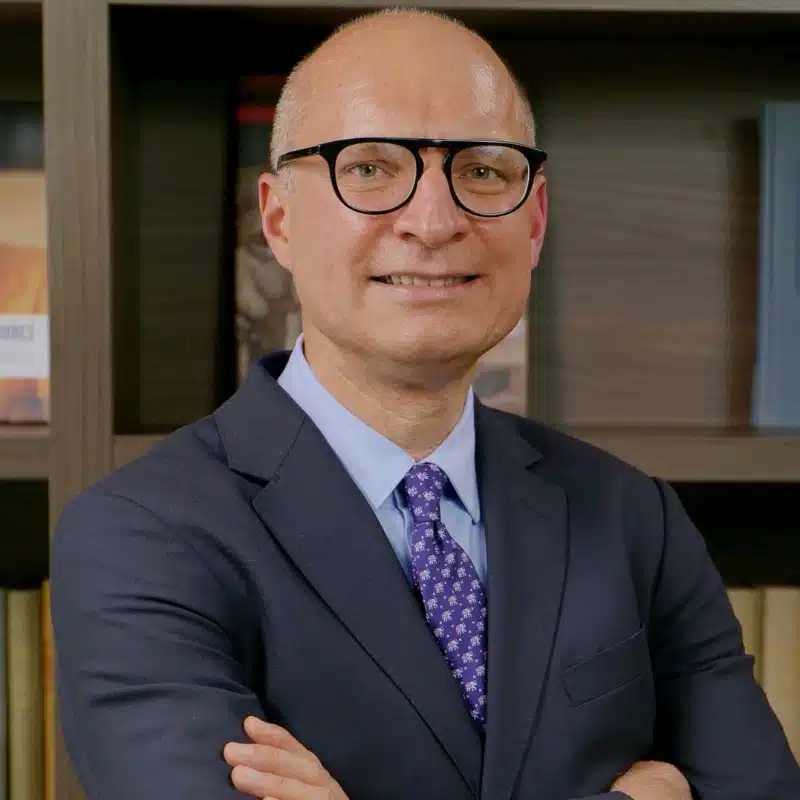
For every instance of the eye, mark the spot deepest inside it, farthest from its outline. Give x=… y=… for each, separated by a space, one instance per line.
x=365 y=169
x=481 y=172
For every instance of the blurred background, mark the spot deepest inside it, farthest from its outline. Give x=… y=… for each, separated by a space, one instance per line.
x=136 y=287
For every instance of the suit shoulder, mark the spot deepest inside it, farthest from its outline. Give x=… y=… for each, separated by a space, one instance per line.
x=183 y=469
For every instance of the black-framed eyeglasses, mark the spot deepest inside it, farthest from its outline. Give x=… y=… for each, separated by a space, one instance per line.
x=377 y=175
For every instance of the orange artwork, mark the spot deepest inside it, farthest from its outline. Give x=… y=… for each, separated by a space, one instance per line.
x=24 y=382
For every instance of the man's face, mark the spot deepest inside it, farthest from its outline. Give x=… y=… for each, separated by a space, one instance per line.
x=440 y=89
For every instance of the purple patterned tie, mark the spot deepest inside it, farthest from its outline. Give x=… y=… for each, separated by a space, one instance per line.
x=452 y=593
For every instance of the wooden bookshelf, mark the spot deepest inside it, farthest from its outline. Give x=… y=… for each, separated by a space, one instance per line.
x=644 y=309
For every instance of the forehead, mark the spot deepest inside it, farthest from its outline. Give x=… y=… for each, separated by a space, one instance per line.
x=429 y=96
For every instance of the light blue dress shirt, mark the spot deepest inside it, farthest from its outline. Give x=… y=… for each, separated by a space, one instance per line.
x=377 y=465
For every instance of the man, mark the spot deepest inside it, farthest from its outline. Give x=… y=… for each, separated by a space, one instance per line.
x=354 y=581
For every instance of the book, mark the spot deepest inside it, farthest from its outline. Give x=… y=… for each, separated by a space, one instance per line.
x=748 y=607
x=781 y=657
x=776 y=380
x=24 y=328
x=48 y=695
x=25 y=698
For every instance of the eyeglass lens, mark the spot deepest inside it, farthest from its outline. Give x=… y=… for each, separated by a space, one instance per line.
x=378 y=176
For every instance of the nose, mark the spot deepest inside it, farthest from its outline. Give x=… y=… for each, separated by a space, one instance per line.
x=432 y=216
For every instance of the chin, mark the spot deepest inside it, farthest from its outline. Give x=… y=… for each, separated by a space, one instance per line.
x=438 y=353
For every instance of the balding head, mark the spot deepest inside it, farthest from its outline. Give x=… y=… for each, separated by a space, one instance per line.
x=392 y=54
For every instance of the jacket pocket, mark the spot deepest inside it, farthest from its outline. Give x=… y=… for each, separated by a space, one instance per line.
x=608 y=670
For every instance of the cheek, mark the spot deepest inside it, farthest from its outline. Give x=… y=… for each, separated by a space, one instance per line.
x=331 y=248
x=511 y=253
x=512 y=278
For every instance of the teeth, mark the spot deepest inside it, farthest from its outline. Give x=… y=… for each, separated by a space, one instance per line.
x=407 y=280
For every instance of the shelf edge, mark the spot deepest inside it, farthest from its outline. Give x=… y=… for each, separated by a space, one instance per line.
x=599 y=6
x=702 y=455
x=675 y=456
x=24 y=453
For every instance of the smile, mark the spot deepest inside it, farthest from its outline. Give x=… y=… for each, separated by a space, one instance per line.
x=413 y=280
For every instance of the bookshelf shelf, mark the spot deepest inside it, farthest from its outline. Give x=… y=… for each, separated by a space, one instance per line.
x=681 y=455
x=703 y=455
x=460 y=6
x=24 y=452
x=13 y=9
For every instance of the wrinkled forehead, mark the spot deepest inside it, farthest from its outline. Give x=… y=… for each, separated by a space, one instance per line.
x=430 y=97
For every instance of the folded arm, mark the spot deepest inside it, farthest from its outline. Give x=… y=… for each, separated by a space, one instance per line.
x=713 y=720
x=149 y=682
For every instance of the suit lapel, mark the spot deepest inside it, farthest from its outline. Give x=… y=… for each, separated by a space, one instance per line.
x=329 y=531
x=527 y=542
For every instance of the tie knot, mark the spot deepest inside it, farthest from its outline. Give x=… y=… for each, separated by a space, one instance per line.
x=424 y=484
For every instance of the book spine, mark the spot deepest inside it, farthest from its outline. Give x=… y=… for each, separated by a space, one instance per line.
x=781 y=667
x=748 y=606
x=776 y=380
x=25 y=707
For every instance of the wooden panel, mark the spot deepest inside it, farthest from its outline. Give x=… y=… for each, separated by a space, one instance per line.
x=182 y=245
x=173 y=254
x=77 y=152
x=15 y=10
x=693 y=6
x=692 y=455
x=77 y=155
x=652 y=246
x=24 y=452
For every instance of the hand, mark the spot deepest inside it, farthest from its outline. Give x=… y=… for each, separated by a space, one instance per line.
x=653 y=780
x=277 y=767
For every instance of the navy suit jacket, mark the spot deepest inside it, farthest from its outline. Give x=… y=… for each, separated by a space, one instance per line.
x=236 y=569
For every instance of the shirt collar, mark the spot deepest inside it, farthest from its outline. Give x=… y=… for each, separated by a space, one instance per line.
x=375 y=463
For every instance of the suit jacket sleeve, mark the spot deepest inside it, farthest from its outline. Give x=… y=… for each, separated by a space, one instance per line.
x=149 y=682
x=713 y=720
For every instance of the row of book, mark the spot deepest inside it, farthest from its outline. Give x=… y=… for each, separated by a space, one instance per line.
x=769 y=616
x=267 y=315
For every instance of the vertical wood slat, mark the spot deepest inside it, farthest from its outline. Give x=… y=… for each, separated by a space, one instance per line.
x=76 y=94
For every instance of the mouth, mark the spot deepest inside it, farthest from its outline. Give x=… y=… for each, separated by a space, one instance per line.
x=416 y=280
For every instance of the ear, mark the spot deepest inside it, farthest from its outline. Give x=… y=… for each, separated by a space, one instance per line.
x=538 y=217
x=273 y=196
